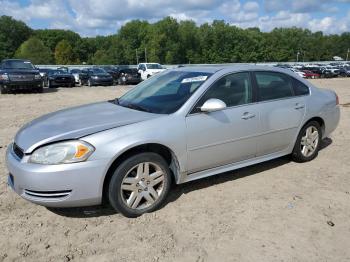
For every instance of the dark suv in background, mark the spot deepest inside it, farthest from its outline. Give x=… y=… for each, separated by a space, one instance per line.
x=18 y=74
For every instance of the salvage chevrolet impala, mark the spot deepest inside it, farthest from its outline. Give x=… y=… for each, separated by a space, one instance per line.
x=180 y=125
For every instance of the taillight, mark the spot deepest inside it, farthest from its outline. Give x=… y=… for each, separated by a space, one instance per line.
x=336 y=99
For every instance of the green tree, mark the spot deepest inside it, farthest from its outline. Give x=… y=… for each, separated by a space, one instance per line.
x=12 y=34
x=64 y=53
x=34 y=50
x=102 y=57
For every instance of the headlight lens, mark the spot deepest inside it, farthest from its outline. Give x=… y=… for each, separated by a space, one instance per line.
x=37 y=76
x=95 y=77
x=62 y=153
x=4 y=77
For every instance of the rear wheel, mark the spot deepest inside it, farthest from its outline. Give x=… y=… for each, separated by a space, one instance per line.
x=139 y=185
x=308 y=143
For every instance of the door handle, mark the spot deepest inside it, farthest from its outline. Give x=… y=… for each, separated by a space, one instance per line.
x=247 y=116
x=299 y=106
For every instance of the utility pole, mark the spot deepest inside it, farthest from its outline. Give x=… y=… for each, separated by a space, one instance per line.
x=298 y=56
x=347 y=54
x=137 y=57
x=146 y=55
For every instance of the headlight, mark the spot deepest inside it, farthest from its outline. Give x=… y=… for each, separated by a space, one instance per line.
x=95 y=77
x=37 y=76
x=4 y=77
x=62 y=153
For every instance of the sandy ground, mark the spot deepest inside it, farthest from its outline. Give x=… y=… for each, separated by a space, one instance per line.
x=276 y=211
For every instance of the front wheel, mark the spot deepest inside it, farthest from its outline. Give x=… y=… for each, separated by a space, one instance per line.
x=308 y=143
x=3 y=90
x=139 y=185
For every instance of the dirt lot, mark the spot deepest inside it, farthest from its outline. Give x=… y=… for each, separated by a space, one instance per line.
x=276 y=211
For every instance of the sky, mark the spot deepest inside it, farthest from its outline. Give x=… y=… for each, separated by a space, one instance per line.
x=104 y=17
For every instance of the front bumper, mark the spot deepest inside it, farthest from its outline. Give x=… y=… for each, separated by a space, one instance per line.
x=66 y=185
x=19 y=85
x=102 y=82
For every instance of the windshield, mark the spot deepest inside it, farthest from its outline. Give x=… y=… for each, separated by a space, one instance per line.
x=98 y=71
x=17 y=64
x=154 y=66
x=57 y=72
x=164 y=93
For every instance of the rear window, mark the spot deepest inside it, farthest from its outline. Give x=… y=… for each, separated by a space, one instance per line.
x=273 y=85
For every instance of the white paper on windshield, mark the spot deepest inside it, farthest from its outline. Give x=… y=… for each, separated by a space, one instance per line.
x=194 y=79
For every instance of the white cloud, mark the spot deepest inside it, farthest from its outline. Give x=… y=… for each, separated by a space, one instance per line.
x=91 y=17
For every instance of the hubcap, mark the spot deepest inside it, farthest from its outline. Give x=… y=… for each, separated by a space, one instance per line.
x=142 y=185
x=309 y=141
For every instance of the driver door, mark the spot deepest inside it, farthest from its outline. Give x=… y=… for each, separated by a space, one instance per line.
x=226 y=136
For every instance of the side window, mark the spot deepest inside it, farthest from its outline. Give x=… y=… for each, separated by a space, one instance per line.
x=234 y=90
x=300 y=89
x=273 y=85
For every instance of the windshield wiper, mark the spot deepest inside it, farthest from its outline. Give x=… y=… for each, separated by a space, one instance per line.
x=138 y=107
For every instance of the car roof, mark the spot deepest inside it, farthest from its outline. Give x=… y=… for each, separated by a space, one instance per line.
x=248 y=67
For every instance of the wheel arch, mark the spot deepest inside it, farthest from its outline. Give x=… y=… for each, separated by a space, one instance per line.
x=164 y=151
x=320 y=121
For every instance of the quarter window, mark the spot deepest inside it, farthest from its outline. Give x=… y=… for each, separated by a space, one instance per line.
x=234 y=90
x=273 y=85
x=300 y=89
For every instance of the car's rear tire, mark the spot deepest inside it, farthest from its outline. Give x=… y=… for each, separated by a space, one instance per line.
x=139 y=185
x=308 y=143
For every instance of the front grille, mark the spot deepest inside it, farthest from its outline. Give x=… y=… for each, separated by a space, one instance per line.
x=18 y=151
x=21 y=78
x=47 y=194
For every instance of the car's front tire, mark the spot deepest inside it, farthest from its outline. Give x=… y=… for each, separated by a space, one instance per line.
x=308 y=143
x=4 y=90
x=139 y=185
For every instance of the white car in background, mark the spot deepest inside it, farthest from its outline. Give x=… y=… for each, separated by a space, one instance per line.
x=146 y=70
x=299 y=73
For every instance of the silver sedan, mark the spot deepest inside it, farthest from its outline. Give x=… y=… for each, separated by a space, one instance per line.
x=180 y=125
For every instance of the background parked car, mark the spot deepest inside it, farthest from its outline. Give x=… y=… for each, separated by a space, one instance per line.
x=298 y=72
x=44 y=73
x=113 y=71
x=81 y=76
x=17 y=74
x=98 y=76
x=59 y=78
x=147 y=70
x=129 y=76
x=310 y=74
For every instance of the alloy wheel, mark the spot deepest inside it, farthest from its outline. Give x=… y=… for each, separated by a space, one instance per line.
x=309 y=141
x=142 y=185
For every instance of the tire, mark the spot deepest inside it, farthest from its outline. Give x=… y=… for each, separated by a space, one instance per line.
x=40 y=90
x=3 y=90
x=306 y=148
x=49 y=84
x=137 y=185
x=89 y=83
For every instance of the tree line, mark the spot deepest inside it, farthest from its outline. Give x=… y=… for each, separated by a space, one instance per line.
x=169 y=41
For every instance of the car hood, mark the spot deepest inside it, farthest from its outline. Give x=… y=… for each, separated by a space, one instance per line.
x=102 y=75
x=155 y=71
x=61 y=75
x=77 y=122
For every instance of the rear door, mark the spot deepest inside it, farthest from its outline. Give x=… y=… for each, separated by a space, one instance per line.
x=281 y=111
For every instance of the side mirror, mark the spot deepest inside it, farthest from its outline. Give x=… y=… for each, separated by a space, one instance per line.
x=213 y=105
